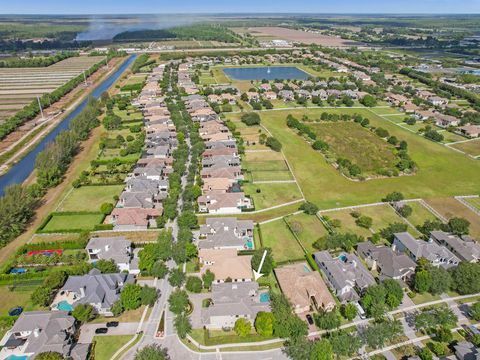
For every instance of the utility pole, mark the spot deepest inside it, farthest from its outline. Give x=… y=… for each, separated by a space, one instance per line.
x=40 y=107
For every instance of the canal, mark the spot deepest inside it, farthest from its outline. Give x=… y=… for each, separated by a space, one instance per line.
x=19 y=172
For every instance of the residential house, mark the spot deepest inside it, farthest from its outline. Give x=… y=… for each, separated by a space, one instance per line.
x=253 y=96
x=226 y=264
x=36 y=332
x=134 y=218
x=386 y=262
x=446 y=121
x=215 y=202
x=465 y=248
x=226 y=232
x=231 y=301
x=472 y=131
x=465 y=350
x=97 y=289
x=217 y=184
x=437 y=101
x=115 y=248
x=345 y=273
x=286 y=95
x=436 y=254
x=305 y=289
x=270 y=95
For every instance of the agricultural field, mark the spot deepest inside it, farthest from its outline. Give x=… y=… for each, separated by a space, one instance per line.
x=438 y=172
x=90 y=198
x=308 y=229
x=18 y=87
x=382 y=216
x=449 y=207
x=280 y=239
x=362 y=147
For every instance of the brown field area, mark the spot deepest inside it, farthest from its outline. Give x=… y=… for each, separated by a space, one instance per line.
x=470 y=147
x=449 y=207
x=301 y=36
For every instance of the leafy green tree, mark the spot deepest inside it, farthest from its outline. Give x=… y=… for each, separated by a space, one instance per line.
x=152 y=352
x=387 y=233
x=268 y=263
x=159 y=269
x=465 y=278
x=405 y=211
x=264 y=323
x=182 y=325
x=364 y=222
x=321 y=350
x=286 y=324
x=274 y=144
x=250 y=119
x=309 y=208
x=475 y=311
x=423 y=281
x=176 y=277
x=476 y=339
x=194 y=284
x=345 y=344
x=41 y=296
x=178 y=301
x=106 y=266
x=459 y=226
x=441 y=280
x=394 y=293
x=148 y=295
x=349 y=311
x=298 y=348
x=84 y=312
x=444 y=334
x=393 y=197
x=49 y=355
x=242 y=327
x=327 y=320
x=369 y=101
x=425 y=354
x=131 y=296
x=208 y=278
x=106 y=208
x=117 y=308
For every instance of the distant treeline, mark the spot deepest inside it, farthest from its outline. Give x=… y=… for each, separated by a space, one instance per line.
x=37 y=61
x=20 y=45
x=205 y=32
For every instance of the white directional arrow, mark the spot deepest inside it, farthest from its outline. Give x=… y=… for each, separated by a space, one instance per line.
x=257 y=273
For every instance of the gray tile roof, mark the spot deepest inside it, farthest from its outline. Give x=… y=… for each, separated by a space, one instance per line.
x=111 y=248
x=465 y=247
x=224 y=232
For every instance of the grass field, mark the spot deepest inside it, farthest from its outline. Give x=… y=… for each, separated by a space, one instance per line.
x=272 y=194
x=441 y=171
x=382 y=216
x=308 y=229
x=362 y=147
x=90 y=198
x=20 y=296
x=107 y=346
x=474 y=201
x=266 y=166
x=419 y=214
x=470 y=147
x=449 y=207
x=278 y=237
x=73 y=222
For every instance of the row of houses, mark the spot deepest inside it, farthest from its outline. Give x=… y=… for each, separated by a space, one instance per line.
x=221 y=168
x=147 y=186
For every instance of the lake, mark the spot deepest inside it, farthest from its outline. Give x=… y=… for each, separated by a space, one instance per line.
x=19 y=172
x=267 y=73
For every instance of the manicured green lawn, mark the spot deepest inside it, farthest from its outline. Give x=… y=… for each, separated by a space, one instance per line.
x=73 y=222
x=107 y=346
x=474 y=201
x=90 y=198
x=278 y=237
x=362 y=147
x=470 y=147
x=441 y=171
x=388 y=111
x=308 y=229
x=20 y=296
x=272 y=194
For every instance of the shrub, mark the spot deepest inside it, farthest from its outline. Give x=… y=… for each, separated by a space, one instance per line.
x=106 y=208
x=194 y=284
x=273 y=144
x=251 y=119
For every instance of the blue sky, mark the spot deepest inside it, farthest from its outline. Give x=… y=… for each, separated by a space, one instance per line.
x=228 y=6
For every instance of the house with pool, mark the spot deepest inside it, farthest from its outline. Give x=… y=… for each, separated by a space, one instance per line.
x=115 y=248
x=226 y=264
x=231 y=301
x=226 y=233
x=97 y=289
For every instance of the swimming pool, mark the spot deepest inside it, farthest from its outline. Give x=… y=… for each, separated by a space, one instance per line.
x=343 y=258
x=64 y=306
x=248 y=243
x=16 y=357
x=306 y=269
x=267 y=73
x=264 y=297
x=18 y=270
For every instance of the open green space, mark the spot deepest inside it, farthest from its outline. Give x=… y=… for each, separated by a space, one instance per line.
x=279 y=238
x=59 y=222
x=308 y=229
x=107 y=346
x=474 y=201
x=441 y=171
x=449 y=137
x=388 y=111
x=469 y=147
x=18 y=295
x=351 y=141
x=90 y=198
x=271 y=194
x=419 y=214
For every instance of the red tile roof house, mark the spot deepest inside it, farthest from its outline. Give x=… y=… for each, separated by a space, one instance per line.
x=214 y=202
x=445 y=121
x=134 y=218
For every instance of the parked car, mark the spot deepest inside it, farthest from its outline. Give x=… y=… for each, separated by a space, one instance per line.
x=112 y=324
x=102 y=330
x=309 y=319
x=16 y=311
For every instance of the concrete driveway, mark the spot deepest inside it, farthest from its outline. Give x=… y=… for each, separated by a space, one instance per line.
x=87 y=331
